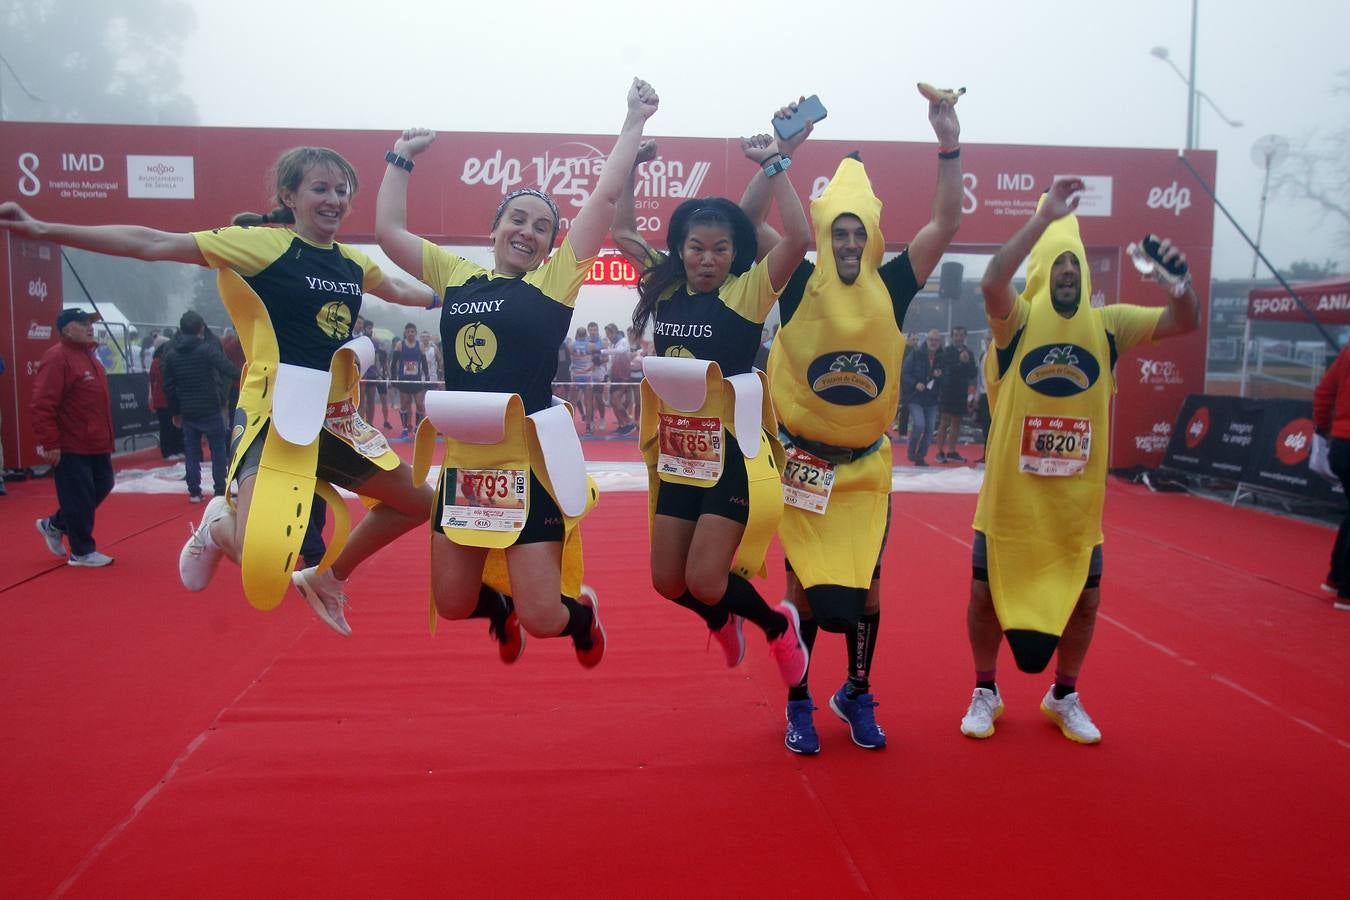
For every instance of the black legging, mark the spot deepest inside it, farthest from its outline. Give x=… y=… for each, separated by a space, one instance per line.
x=1339 y=459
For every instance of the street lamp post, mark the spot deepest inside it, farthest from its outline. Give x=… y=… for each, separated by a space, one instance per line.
x=1193 y=112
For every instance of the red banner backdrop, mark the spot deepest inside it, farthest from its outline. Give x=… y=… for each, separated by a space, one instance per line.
x=183 y=179
x=1329 y=301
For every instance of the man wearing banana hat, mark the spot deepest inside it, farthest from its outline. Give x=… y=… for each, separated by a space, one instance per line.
x=1037 y=560
x=834 y=373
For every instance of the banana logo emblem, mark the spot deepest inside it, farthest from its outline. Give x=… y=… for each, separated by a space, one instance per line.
x=681 y=351
x=335 y=320
x=475 y=347
x=937 y=95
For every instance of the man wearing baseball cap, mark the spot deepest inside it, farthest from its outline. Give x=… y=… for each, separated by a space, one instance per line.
x=72 y=422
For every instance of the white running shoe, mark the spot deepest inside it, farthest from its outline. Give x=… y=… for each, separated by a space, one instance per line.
x=325 y=596
x=198 y=559
x=1070 y=716
x=52 y=536
x=91 y=560
x=985 y=707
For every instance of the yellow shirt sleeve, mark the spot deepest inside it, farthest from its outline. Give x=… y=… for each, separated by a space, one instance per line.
x=442 y=269
x=245 y=250
x=1131 y=324
x=561 y=276
x=372 y=274
x=1004 y=329
x=750 y=296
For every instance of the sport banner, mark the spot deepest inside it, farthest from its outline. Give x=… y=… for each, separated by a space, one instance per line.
x=1279 y=458
x=131 y=413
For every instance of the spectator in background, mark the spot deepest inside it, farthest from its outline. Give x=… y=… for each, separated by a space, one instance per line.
x=1331 y=416
x=920 y=377
x=148 y=344
x=435 y=363
x=234 y=352
x=982 y=417
x=562 y=376
x=597 y=346
x=621 y=389
x=410 y=365
x=72 y=424
x=191 y=370
x=170 y=435
x=583 y=373
x=954 y=394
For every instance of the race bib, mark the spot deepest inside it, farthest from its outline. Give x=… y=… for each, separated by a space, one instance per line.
x=410 y=367
x=691 y=446
x=343 y=421
x=1055 y=445
x=807 y=481
x=487 y=500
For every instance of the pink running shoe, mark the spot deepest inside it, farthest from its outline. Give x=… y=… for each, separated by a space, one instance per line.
x=788 y=650
x=731 y=638
x=591 y=658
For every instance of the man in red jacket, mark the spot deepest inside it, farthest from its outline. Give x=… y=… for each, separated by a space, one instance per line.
x=72 y=422
x=1331 y=415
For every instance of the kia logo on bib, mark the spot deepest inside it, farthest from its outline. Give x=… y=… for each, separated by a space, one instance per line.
x=847 y=377
x=1060 y=370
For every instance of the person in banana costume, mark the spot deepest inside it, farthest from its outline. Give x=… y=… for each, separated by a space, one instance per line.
x=834 y=372
x=1037 y=558
x=293 y=293
x=505 y=544
x=707 y=424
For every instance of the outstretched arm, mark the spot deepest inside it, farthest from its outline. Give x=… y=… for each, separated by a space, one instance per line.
x=999 y=296
x=624 y=229
x=115 y=240
x=406 y=293
x=597 y=214
x=1182 y=315
x=932 y=240
x=391 y=206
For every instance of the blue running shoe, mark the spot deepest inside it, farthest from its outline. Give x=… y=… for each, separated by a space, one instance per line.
x=801 y=731
x=862 y=722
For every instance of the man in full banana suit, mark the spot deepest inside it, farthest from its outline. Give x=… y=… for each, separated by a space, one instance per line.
x=834 y=374
x=1037 y=558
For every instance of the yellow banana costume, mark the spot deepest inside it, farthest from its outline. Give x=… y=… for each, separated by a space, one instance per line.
x=834 y=372
x=1040 y=507
x=489 y=432
x=695 y=389
x=293 y=401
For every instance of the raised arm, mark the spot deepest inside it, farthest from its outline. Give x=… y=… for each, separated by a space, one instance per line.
x=624 y=230
x=391 y=206
x=785 y=256
x=999 y=296
x=1182 y=315
x=115 y=240
x=755 y=201
x=932 y=240
x=597 y=213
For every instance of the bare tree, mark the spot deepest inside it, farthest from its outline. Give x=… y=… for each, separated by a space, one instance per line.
x=1319 y=170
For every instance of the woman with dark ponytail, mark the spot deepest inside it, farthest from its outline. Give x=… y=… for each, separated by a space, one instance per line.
x=708 y=432
x=293 y=293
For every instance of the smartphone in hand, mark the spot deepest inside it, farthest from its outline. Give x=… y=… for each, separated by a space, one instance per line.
x=810 y=110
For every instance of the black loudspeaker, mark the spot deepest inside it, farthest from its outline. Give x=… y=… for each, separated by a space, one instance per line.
x=949 y=284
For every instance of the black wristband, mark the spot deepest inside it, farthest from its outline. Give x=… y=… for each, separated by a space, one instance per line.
x=395 y=160
x=950 y=154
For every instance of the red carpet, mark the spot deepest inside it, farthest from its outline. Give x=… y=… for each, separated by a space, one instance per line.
x=183 y=745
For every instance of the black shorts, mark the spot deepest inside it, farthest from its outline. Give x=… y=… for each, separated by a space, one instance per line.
x=979 y=563
x=955 y=407
x=339 y=464
x=728 y=498
x=543 y=521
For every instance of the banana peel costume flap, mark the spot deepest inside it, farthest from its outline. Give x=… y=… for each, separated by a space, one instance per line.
x=491 y=449
x=694 y=389
x=300 y=404
x=834 y=370
x=1040 y=508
